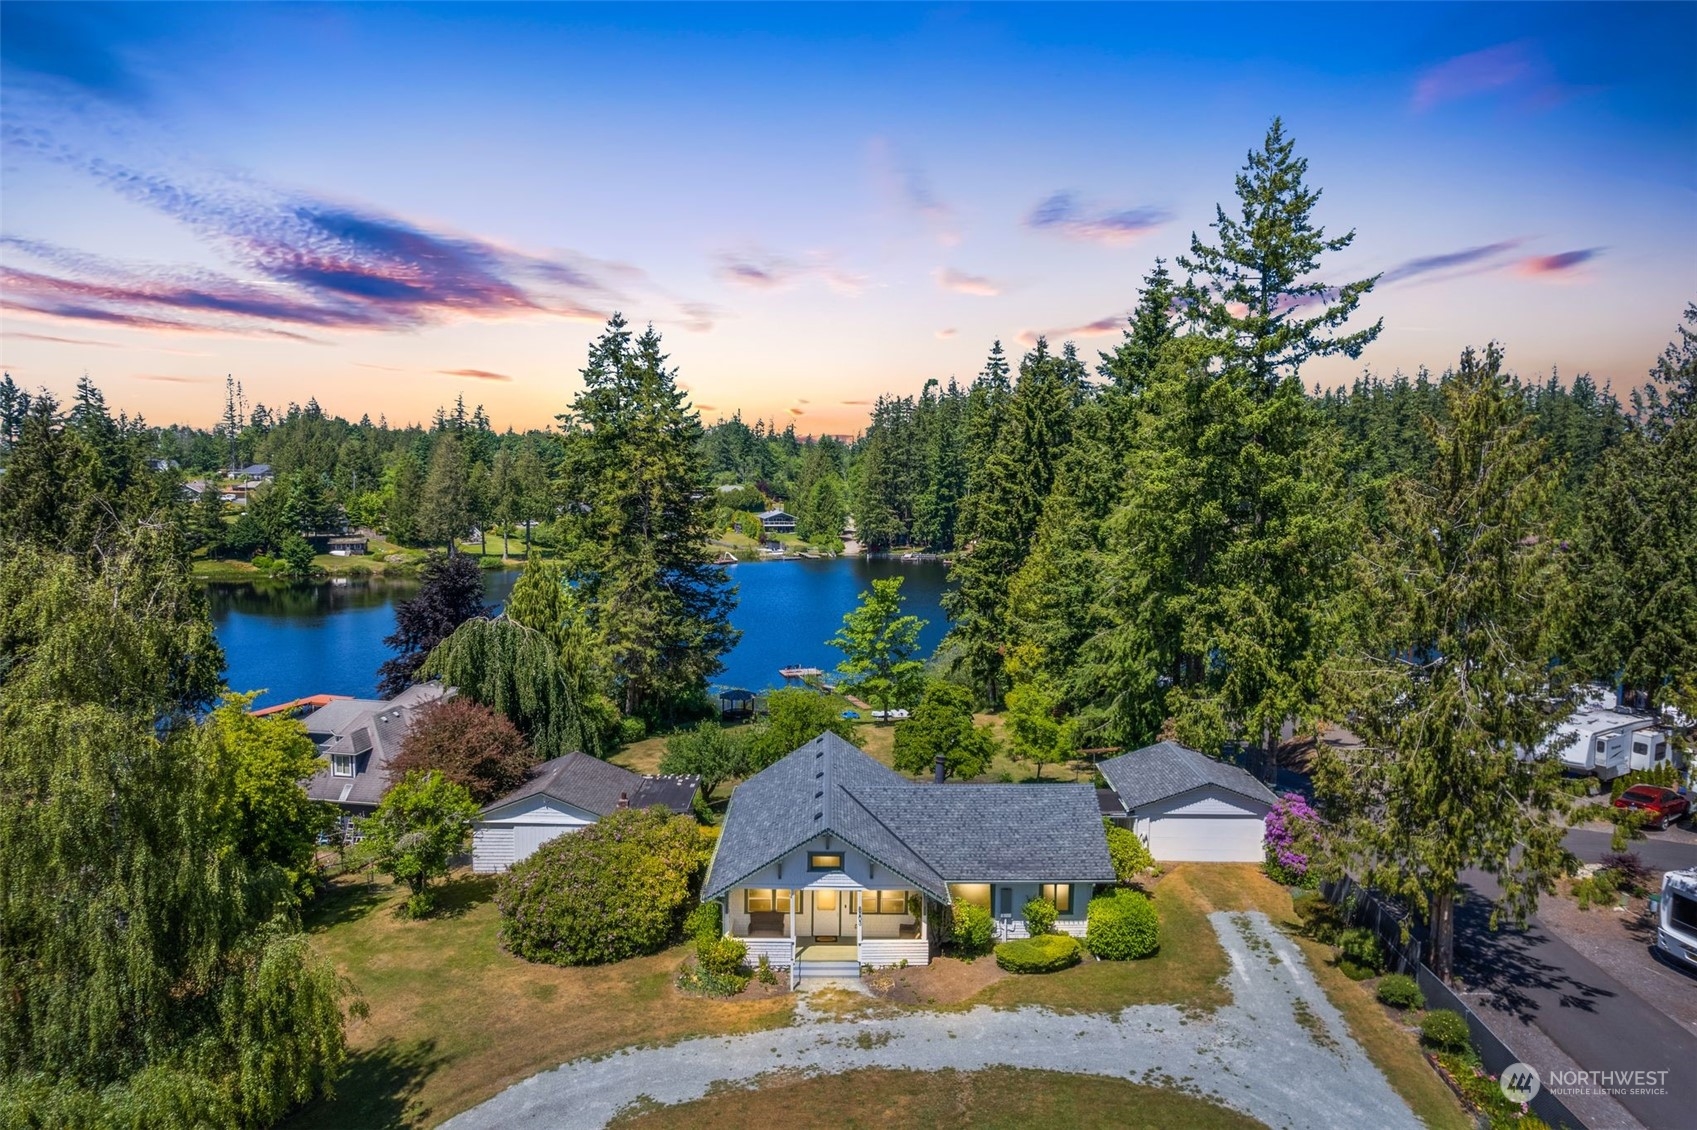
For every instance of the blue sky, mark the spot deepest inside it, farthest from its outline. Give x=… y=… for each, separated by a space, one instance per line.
x=384 y=206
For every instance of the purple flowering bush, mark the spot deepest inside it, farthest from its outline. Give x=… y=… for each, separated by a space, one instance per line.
x=1292 y=839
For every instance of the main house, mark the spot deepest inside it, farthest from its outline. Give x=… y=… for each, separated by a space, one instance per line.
x=564 y=795
x=359 y=737
x=829 y=861
x=1186 y=806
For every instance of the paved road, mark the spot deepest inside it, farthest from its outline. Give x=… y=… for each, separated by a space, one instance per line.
x=1672 y=850
x=1534 y=977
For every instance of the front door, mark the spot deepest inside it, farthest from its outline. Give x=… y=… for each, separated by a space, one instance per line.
x=827 y=914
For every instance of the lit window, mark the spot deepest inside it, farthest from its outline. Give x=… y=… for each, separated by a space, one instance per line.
x=342 y=765
x=825 y=861
x=1060 y=894
x=757 y=901
x=883 y=902
x=978 y=894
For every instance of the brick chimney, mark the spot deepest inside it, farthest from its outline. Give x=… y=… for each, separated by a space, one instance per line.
x=624 y=800
x=939 y=769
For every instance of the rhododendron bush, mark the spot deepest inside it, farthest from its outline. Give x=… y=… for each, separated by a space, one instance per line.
x=1292 y=841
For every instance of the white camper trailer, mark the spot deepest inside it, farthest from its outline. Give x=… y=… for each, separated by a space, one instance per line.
x=1604 y=741
x=1677 y=936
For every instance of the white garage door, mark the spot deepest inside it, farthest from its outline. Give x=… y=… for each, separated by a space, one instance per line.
x=1206 y=839
x=529 y=837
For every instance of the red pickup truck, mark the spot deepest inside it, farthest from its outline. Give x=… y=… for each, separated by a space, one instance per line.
x=1660 y=806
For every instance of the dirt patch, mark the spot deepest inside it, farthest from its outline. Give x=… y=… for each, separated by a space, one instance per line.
x=1620 y=942
x=947 y=980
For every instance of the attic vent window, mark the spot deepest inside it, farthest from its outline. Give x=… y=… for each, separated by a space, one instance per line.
x=825 y=861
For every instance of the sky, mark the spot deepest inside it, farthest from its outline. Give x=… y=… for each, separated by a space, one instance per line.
x=387 y=206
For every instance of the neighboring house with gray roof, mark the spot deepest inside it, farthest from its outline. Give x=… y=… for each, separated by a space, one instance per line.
x=828 y=860
x=1186 y=806
x=358 y=737
x=777 y=521
x=564 y=795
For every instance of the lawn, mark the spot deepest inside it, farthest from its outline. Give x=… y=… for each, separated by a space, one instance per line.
x=998 y=1098
x=453 y=1019
x=1188 y=971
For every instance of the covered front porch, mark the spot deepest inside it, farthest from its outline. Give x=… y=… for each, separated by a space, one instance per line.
x=830 y=930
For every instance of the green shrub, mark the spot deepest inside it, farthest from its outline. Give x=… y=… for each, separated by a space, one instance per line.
x=419 y=905
x=1122 y=926
x=1040 y=915
x=720 y=955
x=705 y=921
x=694 y=979
x=619 y=888
x=973 y=929
x=262 y=562
x=765 y=972
x=1360 y=947
x=1598 y=889
x=1043 y=954
x=1400 y=991
x=1130 y=857
x=1629 y=825
x=1445 y=1030
x=632 y=730
x=1321 y=920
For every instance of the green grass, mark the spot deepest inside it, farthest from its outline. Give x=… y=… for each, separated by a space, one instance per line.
x=453 y=1019
x=997 y=1098
x=1188 y=970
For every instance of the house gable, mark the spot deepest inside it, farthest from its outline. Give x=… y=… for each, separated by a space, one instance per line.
x=539 y=809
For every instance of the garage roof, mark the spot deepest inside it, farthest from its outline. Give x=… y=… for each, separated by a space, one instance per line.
x=1167 y=769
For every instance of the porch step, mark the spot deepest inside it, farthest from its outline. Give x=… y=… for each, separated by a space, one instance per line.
x=805 y=969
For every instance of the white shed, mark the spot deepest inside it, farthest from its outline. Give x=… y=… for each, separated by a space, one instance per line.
x=1187 y=807
x=564 y=795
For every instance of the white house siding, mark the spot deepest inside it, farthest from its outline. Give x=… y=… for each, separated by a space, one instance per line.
x=777 y=951
x=507 y=835
x=1207 y=824
x=491 y=849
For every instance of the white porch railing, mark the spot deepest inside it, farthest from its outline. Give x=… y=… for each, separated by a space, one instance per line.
x=894 y=951
x=779 y=952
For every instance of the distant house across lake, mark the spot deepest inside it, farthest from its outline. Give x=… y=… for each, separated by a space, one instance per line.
x=777 y=522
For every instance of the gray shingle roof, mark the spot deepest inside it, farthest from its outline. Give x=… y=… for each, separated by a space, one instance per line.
x=595 y=786
x=1167 y=769
x=928 y=834
x=371 y=731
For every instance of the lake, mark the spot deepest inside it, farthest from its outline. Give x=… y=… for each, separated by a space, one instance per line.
x=295 y=640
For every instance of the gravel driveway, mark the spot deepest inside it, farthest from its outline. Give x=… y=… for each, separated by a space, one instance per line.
x=1279 y=1052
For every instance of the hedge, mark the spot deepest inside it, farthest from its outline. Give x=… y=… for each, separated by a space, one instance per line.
x=1130 y=857
x=619 y=888
x=1401 y=991
x=1043 y=954
x=1122 y=925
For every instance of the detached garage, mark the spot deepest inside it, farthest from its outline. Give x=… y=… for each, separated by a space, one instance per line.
x=1187 y=807
x=565 y=795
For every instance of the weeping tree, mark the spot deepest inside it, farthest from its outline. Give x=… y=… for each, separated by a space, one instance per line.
x=539 y=663
x=154 y=974
x=1451 y=679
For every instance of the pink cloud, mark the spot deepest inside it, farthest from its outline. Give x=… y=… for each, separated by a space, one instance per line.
x=962 y=283
x=1477 y=72
x=475 y=374
x=945 y=335
x=755 y=269
x=1108 y=325
x=1560 y=266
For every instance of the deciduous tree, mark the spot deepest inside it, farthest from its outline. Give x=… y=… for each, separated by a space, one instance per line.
x=880 y=645
x=469 y=744
x=423 y=821
x=450 y=593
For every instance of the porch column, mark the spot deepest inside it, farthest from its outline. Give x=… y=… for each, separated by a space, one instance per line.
x=924 y=916
x=859 y=920
x=793 y=907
